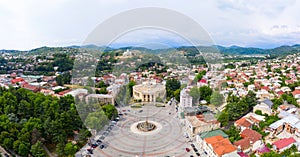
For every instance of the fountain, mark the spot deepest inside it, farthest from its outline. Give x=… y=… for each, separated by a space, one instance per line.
x=146 y=126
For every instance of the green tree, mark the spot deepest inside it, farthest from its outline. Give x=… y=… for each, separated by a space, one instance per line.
x=233 y=134
x=37 y=150
x=200 y=75
x=23 y=149
x=223 y=118
x=173 y=84
x=177 y=94
x=130 y=86
x=110 y=111
x=216 y=98
x=205 y=93
x=70 y=149
x=96 y=120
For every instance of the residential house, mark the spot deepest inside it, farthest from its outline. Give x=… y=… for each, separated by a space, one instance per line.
x=243 y=123
x=202 y=82
x=201 y=136
x=290 y=124
x=31 y=87
x=201 y=123
x=218 y=146
x=265 y=106
x=296 y=93
x=283 y=144
x=100 y=98
x=250 y=137
x=262 y=149
x=47 y=91
x=185 y=99
x=254 y=118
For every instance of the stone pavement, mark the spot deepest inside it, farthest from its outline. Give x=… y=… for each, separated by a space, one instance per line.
x=168 y=140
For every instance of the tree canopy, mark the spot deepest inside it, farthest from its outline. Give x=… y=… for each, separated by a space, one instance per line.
x=30 y=120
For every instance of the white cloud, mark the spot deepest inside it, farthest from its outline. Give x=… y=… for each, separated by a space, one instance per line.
x=33 y=23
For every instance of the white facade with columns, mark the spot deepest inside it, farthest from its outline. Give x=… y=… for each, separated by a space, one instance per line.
x=148 y=92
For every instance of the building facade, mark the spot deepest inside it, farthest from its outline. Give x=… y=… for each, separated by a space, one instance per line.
x=149 y=92
x=185 y=99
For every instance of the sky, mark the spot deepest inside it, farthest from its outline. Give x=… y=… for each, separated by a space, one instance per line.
x=33 y=23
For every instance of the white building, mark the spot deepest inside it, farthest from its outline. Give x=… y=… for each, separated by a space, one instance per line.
x=100 y=98
x=77 y=92
x=185 y=99
x=149 y=92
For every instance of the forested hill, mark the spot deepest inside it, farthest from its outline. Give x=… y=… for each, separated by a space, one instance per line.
x=192 y=50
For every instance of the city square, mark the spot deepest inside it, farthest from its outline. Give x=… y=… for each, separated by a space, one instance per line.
x=167 y=140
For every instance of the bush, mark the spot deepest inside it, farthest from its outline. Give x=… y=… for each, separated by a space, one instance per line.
x=259 y=112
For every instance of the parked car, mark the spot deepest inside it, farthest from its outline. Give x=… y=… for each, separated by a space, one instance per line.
x=99 y=141
x=195 y=149
x=90 y=151
x=101 y=146
x=187 y=149
x=102 y=137
x=94 y=145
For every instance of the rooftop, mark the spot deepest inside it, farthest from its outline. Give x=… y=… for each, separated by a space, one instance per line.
x=220 y=145
x=243 y=122
x=213 y=133
x=149 y=88
x=284 y=142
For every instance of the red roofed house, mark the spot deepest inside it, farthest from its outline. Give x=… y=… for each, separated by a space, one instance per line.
x=296 y=93
x=16 y=80
x=202 y=82
x=284 y=144
x=279 y=93
x=265 y=88
x=31 y=87
x=249 y=138
x=218 y=146
x=243 y=124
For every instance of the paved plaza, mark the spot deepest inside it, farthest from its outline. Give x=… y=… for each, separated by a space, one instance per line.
x=167 y=140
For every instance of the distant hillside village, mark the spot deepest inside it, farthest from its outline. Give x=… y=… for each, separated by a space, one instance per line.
x=245 y=108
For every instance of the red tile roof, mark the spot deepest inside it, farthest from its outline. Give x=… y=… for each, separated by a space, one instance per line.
x=31 y=87
x=249 y=137
x=243 y=143
x=251 y=134
x=296 y=92
x=220 y=145
x=64 y=92
x=13 y=81
x=284 y=142
x=202 y=81
x=265 y=88
x=243 y=122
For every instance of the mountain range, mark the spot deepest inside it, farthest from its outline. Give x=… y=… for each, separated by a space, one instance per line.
x=232 y=50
